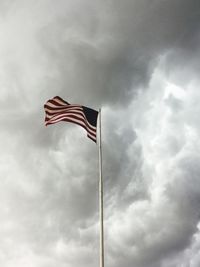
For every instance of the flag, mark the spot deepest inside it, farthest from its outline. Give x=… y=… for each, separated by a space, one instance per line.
x=57 y=109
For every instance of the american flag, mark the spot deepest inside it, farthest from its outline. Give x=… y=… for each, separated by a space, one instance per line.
x=57 y=109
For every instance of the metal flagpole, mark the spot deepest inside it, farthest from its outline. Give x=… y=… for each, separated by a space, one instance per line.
x=101 y=197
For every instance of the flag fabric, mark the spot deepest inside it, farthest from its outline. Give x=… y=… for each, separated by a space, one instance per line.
x=57 y=109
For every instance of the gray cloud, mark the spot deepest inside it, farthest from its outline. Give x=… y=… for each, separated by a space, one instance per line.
x=139 y=61
x=111 y=49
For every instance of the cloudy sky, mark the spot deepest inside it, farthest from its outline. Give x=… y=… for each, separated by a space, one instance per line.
x=139 y=60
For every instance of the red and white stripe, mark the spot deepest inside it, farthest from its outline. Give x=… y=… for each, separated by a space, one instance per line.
x=57 y=110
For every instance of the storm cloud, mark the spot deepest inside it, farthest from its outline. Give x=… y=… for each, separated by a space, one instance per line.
x=139 y=61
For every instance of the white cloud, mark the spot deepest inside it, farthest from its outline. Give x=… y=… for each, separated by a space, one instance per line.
x=136 y=62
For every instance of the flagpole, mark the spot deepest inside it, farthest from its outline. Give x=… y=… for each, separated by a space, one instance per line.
x=101 y=197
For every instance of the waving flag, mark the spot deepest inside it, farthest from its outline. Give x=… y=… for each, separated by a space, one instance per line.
x=57 y=109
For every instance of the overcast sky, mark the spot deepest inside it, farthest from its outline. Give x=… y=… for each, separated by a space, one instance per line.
x=139 y=60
